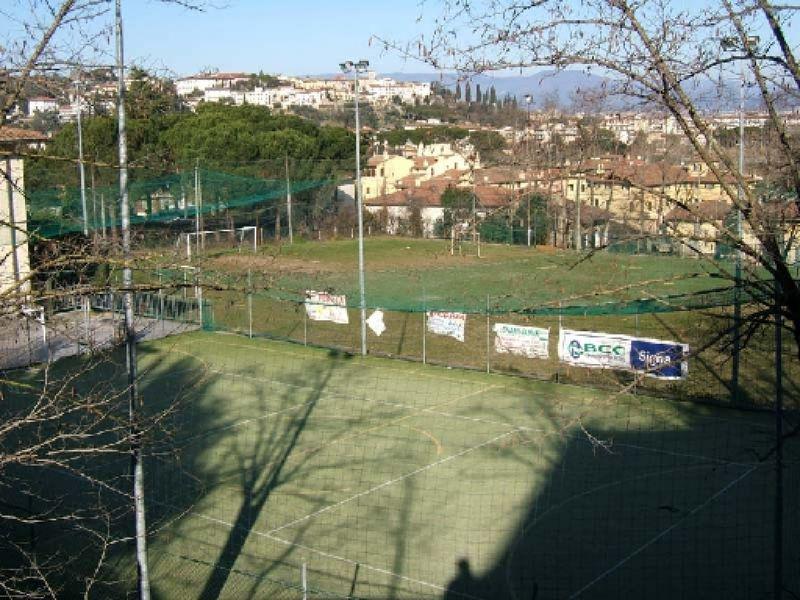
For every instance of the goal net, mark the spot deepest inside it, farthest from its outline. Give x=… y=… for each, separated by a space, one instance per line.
x=241 y=238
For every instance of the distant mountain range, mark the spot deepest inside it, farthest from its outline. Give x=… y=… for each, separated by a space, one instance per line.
x=563 y=87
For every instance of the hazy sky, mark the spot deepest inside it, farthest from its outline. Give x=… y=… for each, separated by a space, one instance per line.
x=295 y=37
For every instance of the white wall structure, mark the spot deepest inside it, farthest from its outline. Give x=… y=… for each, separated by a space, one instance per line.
x=206 y=81
x=14 y=260
x=42 y=104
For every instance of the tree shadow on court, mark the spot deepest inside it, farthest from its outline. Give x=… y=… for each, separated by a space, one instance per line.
x=235 y=443
x=670 y=505
x=263 y=466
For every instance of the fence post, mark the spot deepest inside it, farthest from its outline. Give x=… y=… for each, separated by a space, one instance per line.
x=305 y=325
x=558 y=361
x=30 y=344
x=424 y=326
x=161 y=302
x=250 y=303
x=198 y=294
x=86 y=326
x=488 y=338
x=304 y=580
x=44 y=334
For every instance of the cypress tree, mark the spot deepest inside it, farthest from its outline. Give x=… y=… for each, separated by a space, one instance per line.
x=468 y=93
x=478 y=96
x=458 y=91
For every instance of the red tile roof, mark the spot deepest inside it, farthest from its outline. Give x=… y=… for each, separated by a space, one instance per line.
x=702 y=211
x=15 y=134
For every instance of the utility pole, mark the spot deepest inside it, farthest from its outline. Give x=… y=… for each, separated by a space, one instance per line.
x=134 y=404
x=81 y=170
x=289 y=196
x=359 y=67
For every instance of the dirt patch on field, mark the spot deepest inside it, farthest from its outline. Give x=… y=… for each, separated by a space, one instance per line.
x=270 y=264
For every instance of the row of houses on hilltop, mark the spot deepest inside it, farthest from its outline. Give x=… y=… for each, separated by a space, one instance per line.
x=616 y=197
x=241 y=88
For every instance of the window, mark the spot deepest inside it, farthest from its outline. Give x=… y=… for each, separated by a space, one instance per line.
x=571 y=187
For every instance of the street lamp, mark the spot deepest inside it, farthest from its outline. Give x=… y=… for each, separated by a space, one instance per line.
x=528 y=100
x=731 y=45
x=359 y=67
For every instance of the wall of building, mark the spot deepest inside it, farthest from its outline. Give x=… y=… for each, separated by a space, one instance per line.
x=14 y=259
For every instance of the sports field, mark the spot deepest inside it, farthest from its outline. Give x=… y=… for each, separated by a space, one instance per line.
x=391 y=479
x=405 y=272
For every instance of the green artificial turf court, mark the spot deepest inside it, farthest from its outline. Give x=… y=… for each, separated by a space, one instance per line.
x=392 y=479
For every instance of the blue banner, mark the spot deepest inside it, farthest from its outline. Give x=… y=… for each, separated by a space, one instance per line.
x=660 y=359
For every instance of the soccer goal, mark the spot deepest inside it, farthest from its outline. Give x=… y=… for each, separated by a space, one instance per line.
x=465 y=241
x=239 y=237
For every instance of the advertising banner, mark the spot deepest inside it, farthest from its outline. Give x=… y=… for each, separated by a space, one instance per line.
x=447 y=323
x=322 y=306
x=596 y=350
x=660 y=359
x=531 y=342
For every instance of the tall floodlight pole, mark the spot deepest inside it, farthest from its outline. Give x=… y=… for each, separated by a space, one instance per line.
x=356 y=68
x=130 y=333
x=81 y=170
x=528 y=100
x=733 y=44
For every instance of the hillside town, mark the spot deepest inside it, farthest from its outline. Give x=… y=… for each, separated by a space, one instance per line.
x=639 y=183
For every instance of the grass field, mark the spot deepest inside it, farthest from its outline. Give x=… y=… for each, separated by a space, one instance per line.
x=391 y=479
x=404 y=272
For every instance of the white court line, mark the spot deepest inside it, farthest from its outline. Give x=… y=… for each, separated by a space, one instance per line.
x=421 y=371
x=519 y=387
x=332 y=556
x=389 y=482
x=654 y=539
x=559 y=431
x=271 y=534
x=689 y=455
x=371 y=567
x=241 y=422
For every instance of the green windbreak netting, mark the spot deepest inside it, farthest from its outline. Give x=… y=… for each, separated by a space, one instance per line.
x=413 y=301
x=161 y=200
